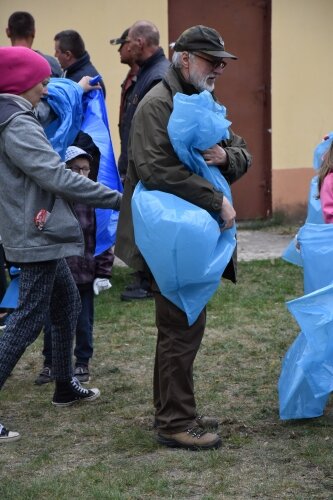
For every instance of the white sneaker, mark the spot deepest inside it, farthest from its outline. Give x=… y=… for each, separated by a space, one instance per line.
x=6 y=436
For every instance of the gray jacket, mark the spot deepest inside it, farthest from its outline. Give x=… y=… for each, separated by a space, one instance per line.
x=33 y=178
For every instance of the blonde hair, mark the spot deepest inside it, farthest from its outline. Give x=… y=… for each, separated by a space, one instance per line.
x=326 y=167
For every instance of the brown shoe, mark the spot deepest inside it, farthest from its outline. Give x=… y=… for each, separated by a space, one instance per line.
x=201 y=420
x=194 y=439
x=207 y=422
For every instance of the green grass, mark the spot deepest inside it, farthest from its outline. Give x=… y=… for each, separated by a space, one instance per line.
x=106 y=450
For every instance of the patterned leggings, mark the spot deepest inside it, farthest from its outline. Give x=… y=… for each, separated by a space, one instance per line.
x=43 y=286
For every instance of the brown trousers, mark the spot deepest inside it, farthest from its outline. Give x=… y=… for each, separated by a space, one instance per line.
x=176 y=349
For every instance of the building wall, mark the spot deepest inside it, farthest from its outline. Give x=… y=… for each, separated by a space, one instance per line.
x=302 y=97
x=97 y=22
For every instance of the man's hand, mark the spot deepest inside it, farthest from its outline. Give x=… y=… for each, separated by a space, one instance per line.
x=215 y=156
x=85 y=84
x=227 y=213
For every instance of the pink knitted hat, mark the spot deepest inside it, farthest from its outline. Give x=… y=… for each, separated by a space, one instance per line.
x=21 y=69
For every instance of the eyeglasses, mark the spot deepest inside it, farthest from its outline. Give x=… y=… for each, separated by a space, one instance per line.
x=78 y=170
x=215 y=65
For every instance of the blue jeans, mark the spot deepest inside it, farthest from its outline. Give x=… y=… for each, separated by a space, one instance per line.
x=83 y=350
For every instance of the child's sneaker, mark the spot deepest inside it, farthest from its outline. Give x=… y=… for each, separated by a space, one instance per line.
x=7 y=436
x=68 y=393
x=45 y=376
x=81 y=372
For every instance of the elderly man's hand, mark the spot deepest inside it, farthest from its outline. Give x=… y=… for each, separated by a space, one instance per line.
x=227 y=213
x=215 y=156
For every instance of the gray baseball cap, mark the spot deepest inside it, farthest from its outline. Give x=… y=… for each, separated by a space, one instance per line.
x=202 y=39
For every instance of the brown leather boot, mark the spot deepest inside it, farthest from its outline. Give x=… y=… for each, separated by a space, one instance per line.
x=194 y=439
x=202 y=421
x=207 y=422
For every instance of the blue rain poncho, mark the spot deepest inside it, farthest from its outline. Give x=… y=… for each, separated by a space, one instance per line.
x=182 y=243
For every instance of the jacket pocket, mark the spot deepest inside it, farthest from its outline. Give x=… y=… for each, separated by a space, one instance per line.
x=62 y=225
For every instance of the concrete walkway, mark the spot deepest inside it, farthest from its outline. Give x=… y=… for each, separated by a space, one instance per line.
x=259 y=245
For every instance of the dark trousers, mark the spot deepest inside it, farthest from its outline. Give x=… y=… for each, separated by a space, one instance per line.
x=44 y=286
x=3 y=280
x=83 y=350
x=176 y=349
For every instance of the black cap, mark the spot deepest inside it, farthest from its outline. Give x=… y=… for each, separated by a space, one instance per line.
x=121 y=40
x=202 y=39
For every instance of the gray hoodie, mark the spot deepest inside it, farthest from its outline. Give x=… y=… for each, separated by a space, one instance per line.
x=32 y=178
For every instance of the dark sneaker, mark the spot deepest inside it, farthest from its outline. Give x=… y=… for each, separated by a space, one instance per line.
x=68 y=393
x=81 y=372
x=45 y=376
x=194 y=439
x=136 y=293
x=7 y=436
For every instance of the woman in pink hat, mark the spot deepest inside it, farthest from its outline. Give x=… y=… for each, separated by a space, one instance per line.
x=38 y=226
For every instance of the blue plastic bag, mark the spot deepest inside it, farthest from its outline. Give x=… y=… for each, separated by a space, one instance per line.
x=296 y=398
x=321 y=150
x=196 y=123
x=65 y=98
x=183 y=247
x=293 y=255
x=316 y=243
x=307 y=373
x=315 y=213
x=182 y=243
x=95 y=123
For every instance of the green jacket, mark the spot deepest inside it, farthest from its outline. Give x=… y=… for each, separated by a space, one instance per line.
x=153 y=161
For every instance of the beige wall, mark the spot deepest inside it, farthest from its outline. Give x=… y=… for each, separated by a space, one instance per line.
x=302 y=75
x=302 y=92
x=97 y=22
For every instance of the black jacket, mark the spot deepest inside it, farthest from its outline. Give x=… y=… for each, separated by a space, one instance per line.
x=151 y=72
x=82 y=67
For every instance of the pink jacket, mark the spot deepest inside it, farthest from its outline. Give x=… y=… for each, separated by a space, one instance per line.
x=326 y=198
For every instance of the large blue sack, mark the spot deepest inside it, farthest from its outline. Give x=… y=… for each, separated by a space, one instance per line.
x=95 y=123
x=316 y=244
x=182 y=243
x=306 y=378
x=296 y=398
x=315 y=213
x=314 y=216
x=182 y=246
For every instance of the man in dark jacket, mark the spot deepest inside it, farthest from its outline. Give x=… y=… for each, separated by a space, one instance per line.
x=126 y=57
x=143 y=44
x=73 y=58
x=198 y=60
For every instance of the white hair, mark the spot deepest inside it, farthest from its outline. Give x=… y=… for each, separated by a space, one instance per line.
x=177 y=58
